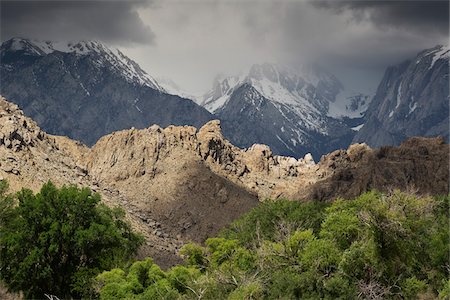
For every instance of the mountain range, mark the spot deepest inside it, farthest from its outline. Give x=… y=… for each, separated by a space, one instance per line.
x=86 y=89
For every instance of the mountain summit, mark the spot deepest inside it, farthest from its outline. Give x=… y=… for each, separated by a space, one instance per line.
x=85 y=90
x=310 y=87
x=281 y=107
x=112 y=57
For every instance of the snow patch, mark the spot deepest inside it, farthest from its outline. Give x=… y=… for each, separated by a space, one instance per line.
x=284 y=143
x=84 y=89
x=172 y=88
x=441 y=53
x=399 y=95
x=412 y=108
x=357 y=128
x=349 y=104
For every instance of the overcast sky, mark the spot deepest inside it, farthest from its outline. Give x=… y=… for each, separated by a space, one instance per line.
x=193 y=41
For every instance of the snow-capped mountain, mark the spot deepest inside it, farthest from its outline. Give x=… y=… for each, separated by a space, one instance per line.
x=113 y=57
x=309 y=87
x=86 y=89
x=280 y=106
x=412 y=99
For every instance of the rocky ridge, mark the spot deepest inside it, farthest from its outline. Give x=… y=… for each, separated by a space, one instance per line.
x=180 y=183
x=30 y=157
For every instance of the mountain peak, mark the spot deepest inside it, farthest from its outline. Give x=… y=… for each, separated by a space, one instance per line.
x=306 y=86
x=104 y=55
x=432 y=55
x=411 y=100
x=40 y=47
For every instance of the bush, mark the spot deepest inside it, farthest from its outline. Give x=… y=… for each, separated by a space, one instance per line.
x=56 y=241
x=377 y=246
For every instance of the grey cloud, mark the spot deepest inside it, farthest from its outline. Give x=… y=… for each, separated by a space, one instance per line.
x=115 y=22
x=414 y=15
x=198 y=39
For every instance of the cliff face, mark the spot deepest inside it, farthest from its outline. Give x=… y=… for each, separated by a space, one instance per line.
x=411 y=100
x=181 y=183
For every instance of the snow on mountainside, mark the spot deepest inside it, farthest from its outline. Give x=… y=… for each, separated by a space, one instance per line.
x=350 y=105
x=120 y=63
x=85 y=90
x=171 y=87
x=280 y=106
x=411 y=100
x=437 y=53
x=309 y=87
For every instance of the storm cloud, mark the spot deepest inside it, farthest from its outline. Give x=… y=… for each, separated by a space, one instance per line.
x=417 y=15
x=192 y=41
x=115 y=22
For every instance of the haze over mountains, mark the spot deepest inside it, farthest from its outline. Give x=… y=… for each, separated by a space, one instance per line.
x=281 y=107
x=85 y=90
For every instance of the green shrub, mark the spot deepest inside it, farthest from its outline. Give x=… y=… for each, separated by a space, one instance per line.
x=56 y=241
x=387 y=246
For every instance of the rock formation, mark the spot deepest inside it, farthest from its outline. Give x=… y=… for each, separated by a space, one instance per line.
x=179 y=184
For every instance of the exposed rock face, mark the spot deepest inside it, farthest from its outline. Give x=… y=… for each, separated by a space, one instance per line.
x=31 y=155
x=164 y=172
x=419 y=165
x=181 y=200
x=411 y=100
x=148 y=153
x=179 y=183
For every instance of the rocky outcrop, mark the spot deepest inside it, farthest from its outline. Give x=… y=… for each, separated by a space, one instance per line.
x=180 y=183
x=419 y=165
x=170 y=196
x=30 y=157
